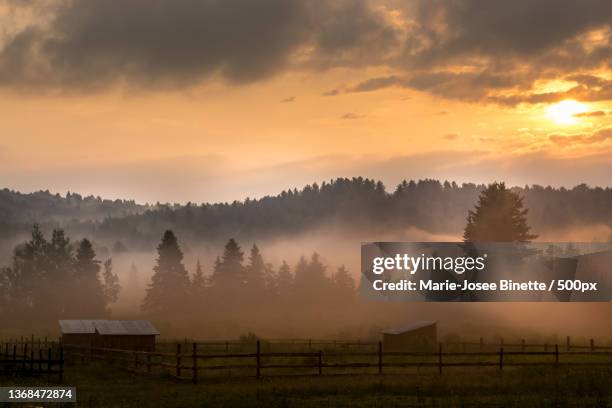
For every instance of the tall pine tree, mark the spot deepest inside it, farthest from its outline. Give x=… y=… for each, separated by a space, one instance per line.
x=229 y=272
x=499 y=216
x=198 y=282
x=88 y=297
x=255 y=272
x=168 y=292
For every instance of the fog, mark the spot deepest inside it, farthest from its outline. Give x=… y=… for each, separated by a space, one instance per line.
x=363 y=319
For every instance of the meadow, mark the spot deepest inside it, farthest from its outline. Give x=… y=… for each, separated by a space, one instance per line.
x=350 y=377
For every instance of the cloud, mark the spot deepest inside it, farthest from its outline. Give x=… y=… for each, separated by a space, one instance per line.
x=352 y=116
x=451 y=136
x=177 y=43
x=288 y=99
x=591 y=114
x=599 y=136
x=469 y=50
x=332 y=92
x=375 y=84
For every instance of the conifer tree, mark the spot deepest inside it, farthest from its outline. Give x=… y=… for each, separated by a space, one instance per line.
x=284 y=279
x=255 y=271
x=343 y=281
x=88 y=296
x=198 y=282
x=498 y=216
x=110 y=286
x=229 y=271
x=169 y=288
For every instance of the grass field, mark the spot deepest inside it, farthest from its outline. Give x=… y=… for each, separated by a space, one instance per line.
x=101 y=385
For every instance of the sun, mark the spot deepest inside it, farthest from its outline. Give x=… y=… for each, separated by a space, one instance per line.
x=564 y=112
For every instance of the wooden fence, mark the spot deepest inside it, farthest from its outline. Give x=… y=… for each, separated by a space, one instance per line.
x=32 y=358
x=192 y=362
x=228 y=346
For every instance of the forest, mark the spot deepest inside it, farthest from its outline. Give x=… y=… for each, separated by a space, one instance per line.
x=46 y=279
x=355 y=205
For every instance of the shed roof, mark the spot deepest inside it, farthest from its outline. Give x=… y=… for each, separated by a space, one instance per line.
x=418 y=324
x=108 y=327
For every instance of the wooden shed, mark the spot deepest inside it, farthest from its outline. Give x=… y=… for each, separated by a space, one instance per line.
x=416 y=335
x=115 y=334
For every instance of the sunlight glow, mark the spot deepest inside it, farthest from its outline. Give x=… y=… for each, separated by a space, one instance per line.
x=564 y=112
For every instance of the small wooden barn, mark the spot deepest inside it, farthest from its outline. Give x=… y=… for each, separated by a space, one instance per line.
x=115 y=334
x=420 y=334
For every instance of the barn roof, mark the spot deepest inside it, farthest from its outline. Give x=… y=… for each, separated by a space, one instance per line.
x=108 y=327
x=418 y=324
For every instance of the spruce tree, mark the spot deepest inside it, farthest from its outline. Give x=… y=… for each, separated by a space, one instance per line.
x=169 y=288
x=229 y=271
x=498 y=216
x=88 y=297
x=343 y=281
x=255 y=272
x=198 y=282
x=110 y=285
x=284 y=279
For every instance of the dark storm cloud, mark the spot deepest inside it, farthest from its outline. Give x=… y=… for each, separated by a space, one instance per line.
x=495 y=52
x=473 y=50
x=160 y=43
x=507 y=46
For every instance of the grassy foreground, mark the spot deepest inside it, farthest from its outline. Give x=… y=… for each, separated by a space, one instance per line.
x=100 y=385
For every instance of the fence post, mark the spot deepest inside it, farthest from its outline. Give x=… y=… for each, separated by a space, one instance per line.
x=440 y=358
x=39 y=360
x=501 y=358
x=320 y=362
x=481 y=344
x=25 y=356
x=380 y=358
x=32 y=355
x=48 y=363
x=545 y=347
x=61 y=365
x=556 y=355
x=567 y=343
x=148 y=362
x=258 y=360
x=194 y=350
x=135 y=360
x=592 y=345
x=522 y=345
x=178 y=359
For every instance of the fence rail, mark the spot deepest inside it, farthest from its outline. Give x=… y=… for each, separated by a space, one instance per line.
x=33 y=358
x=191 y=363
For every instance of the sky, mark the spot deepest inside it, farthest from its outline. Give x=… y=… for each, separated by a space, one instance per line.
x=207 y=100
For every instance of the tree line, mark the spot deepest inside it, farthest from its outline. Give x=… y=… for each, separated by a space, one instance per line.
x=235 y=282
x=357 y=203
x=55 y=278
x=52 y=279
